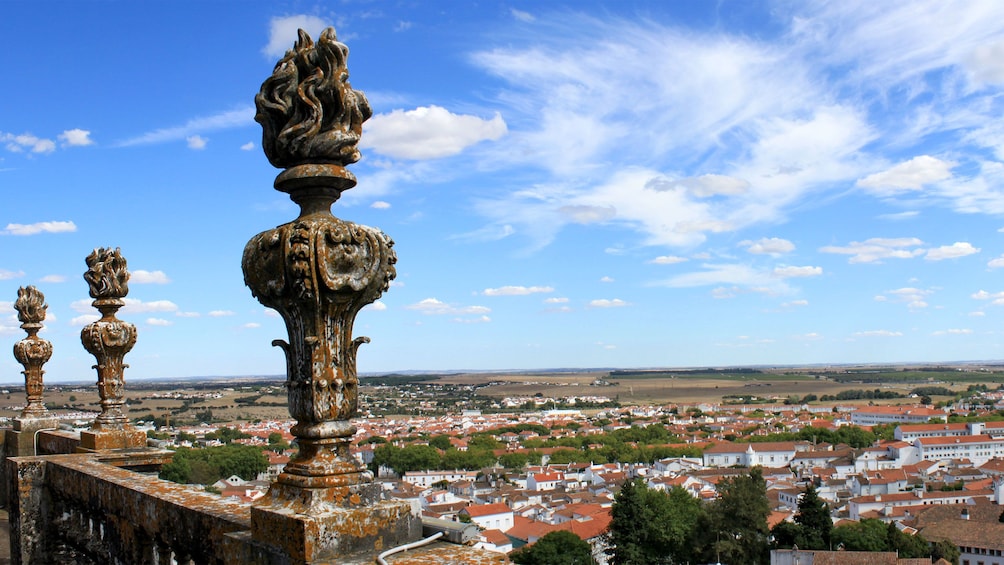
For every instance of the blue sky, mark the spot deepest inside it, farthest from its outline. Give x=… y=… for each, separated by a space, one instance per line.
x=580 y=184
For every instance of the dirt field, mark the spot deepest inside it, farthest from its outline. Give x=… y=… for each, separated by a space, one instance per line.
x=674 y=390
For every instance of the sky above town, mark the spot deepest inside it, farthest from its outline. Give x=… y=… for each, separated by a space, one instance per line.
x=569 y=184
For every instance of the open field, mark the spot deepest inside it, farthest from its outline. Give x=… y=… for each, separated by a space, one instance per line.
x=232 y=400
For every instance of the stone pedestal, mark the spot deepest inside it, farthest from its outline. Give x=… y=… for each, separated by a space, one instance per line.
x=332 y=525
x=103 y=440
x=20 y=441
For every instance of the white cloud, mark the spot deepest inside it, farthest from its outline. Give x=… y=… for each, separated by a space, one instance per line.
x=134 y=306
x=239 y=117
x=996 y=263
x=39 y=227
x=251 y=325
x=954 y=331
x=76 y=137
x=788 y=271
x=516 y=290
x=739 y=278
x=795 y=303
x=608 y=303
x=898 y=216
x=188 y=314
x=84 y=319
x=140 y=276
x=773 y=246
x=556 y=300
x=221 y=313
x=606 y=279
x=53 y=279
x=878 y=333
x=247 y=146
x=433 y=306
x=914 y=298
x=380 y=205
x=7 y=275
x=274 y=314
x=27 y=141
x=955 y=250
x=377 y=306
x=428 y=132
x=477 y=320
x=912 y=175
x=403 y=26
x=978 y=314
x=159 y=322
x=196 y=142
x=876 y=249
x=521 y=15
x=282 y=32
x=668 y=260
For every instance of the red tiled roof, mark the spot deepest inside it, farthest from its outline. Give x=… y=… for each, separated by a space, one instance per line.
x=486 y=510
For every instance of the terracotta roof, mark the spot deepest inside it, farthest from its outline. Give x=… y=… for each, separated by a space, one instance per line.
x=479 y=510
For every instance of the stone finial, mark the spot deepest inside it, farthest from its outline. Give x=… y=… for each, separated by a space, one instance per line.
x=317 y=271
x=33 y=351
x=109 y=339
x=106 y=274
x=30 y=305
x=308 y=110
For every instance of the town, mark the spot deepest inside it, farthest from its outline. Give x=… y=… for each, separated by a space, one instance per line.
x=526 y=466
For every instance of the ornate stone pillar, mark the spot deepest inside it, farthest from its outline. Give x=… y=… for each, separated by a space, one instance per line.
x=318 y=271
x=108 y=340
x=32 y=351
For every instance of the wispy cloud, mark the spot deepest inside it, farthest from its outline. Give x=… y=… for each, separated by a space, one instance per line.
x=608 y=303
x=282 y=32
x=239 y=117
x=774 y=246
x=18 y=143
x=433 y=306
x=876 y=249
x=39 y=227
x=957 y=249
x=140 y=276
x=517 y=290
x=7 y=275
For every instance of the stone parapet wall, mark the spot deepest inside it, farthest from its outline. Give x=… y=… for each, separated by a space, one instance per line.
x=76 y=507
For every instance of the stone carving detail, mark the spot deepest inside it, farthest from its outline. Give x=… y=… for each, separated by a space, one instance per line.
x=317 y=271
x=108 y=339
x=308 y=111
x=32 y=351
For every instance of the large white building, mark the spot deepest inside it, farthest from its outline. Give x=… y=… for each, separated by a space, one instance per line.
x=766 y=454
x=871 y=415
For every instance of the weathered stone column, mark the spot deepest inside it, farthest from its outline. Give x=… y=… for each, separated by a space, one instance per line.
x=108 y=340
x=318 y=271
x=32 y=352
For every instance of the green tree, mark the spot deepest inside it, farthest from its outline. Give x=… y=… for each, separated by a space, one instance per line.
x=738 y=520
x=814 y=518
x=206 y=466
x=556 y=548
x=945 y=549
x=652 y=527
x=441 y=442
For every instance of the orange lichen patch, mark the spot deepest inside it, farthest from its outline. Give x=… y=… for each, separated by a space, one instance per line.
x=447 y=554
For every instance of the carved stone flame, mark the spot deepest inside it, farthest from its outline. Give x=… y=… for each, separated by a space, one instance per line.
x=109 y=339
x=317 y=271
x=308 y=110
x=32 y=351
